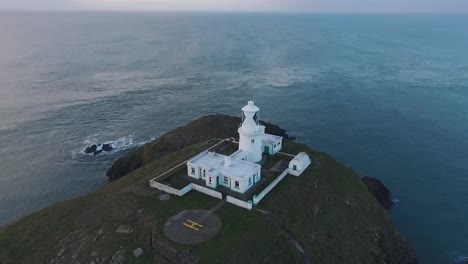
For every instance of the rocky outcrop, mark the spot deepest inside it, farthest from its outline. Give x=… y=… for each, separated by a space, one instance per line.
x=107 y=147
x=91 y=149
x=197 y=131
x=96 y=149
x=379 y=191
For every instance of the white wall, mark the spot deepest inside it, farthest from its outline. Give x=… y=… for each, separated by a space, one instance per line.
x=235 y=201
x=278 y=147
x=214 y=180
x=169 y=189
x=207 y=191
x=297 y=171
x=186 y=189
x=254 y=149
x=273 y=148
x=257 y=198
x=244 y=183
x=189 y=170
x=258 y=174
x=221 y=181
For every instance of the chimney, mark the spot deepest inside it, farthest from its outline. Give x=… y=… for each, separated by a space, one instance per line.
x=227 y=161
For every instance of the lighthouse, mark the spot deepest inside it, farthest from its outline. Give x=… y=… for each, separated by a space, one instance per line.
x=240 y=171
x=251 y=132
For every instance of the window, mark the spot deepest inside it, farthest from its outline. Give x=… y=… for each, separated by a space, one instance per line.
x=236 y=184
x=252 y=141
x=193 y=170
x=294 y=167
x=209 y=180
x=255 y=118
x=226 y=179
x=250 y=180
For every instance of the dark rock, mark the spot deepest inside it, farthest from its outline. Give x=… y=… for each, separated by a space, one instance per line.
x=197 y=131
x=107 y=147
x=91 y=149
x=96 y=149
x=379 y=191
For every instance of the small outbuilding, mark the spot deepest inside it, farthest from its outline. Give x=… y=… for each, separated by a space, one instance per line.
x=271 y=144
x=299 y=163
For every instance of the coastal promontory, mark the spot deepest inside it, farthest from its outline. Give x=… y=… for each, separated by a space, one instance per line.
x=325 y=216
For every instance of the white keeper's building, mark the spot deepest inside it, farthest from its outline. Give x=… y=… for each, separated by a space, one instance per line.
x=240 y=170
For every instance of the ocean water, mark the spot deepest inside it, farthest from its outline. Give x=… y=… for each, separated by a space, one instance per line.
x=385 y=94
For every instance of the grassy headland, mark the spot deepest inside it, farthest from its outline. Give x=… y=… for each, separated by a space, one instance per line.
x=328 y=210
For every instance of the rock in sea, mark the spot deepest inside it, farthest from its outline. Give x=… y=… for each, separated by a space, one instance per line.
x=96 y=149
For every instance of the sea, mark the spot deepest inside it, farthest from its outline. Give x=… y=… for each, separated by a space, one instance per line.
x=386 y=94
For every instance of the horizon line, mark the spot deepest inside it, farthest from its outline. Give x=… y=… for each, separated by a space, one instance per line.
x=238 y=11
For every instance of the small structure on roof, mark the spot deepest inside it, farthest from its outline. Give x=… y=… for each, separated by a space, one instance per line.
x=299 y=163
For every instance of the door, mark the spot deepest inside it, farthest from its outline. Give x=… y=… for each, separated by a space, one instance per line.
x=267 y=150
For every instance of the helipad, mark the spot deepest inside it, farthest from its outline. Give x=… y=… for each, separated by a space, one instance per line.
x=192 y=226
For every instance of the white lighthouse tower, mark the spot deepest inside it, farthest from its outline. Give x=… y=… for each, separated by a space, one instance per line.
x=251 y=132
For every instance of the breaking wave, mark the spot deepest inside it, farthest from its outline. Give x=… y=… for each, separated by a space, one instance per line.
x=119 y=144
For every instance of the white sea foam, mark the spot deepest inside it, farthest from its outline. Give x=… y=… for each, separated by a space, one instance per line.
x=119 y=144
x=395 y=200
x=284 y=77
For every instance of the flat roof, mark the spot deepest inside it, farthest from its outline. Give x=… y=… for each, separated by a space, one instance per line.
x=238 y=154
x=215 y=162
x=271 y=139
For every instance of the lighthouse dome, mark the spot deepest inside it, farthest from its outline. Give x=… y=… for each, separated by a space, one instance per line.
x=250 y=107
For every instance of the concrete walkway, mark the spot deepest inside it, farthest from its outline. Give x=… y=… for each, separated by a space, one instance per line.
x=218 y=205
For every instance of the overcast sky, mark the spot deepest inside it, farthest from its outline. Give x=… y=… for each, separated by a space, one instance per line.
x=435 y=6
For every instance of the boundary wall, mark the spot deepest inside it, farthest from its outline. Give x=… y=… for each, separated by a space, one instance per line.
x=247 y=205
x=257 y=198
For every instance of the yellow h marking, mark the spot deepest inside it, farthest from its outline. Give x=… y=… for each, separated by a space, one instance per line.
x=193 y=225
